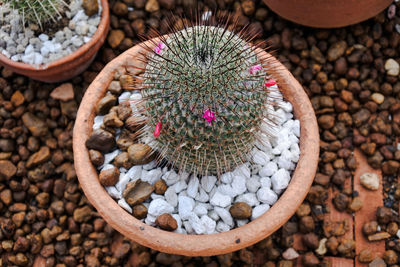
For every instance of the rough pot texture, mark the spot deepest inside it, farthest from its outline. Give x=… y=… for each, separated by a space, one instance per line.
x=69 y=66
x=195 y=245
x=327 y=13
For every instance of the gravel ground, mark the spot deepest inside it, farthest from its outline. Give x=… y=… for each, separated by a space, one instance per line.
x=351 y=75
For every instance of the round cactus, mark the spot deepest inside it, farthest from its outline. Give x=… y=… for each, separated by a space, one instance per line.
x=37 y=11
x=205 y=99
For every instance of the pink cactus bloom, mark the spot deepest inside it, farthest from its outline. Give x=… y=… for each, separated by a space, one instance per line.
x=270 y=82
x=255 y=69
x=157 y=130
x=160 y=46
x=209 y=116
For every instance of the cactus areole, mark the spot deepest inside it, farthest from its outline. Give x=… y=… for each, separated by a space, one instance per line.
x=205 y=99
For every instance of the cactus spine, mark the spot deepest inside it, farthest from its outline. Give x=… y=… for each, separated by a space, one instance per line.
x=37 y=11
x=205 y=101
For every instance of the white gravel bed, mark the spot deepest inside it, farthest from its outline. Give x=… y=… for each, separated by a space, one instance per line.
x=21 y=44
x=201 y=204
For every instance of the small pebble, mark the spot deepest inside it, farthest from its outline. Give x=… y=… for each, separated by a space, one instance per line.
x=240 y=210
x=370 y=181
x=166 y=222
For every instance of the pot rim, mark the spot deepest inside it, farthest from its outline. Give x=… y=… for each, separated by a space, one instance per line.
x=102 y=27
x=196 y=245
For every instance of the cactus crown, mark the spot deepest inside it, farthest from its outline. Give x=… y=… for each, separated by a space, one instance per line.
x=204 y=99
x=37 y=11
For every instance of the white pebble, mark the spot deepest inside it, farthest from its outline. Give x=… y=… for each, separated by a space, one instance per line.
x=226 y=178
x=225 y=216
x=171 y=197
x=208 y=182
x=220 y=200
x=185 y=207
x=242 y=170
x=29 y=58
x=285 y=163
x=29 y=50
x=398 y=233
x=180 y=186
x=178 y=222
x=193 y=186
x=110 y=156
x=151 y=176
x=125 y=205
x=260 y=157
x=170 y=177
x=296 y=128
x=265 y=182
x=280 y=179
x=259 y=210
x=253 y=184
x=240 y=223
x=222 y=227
x=213 y=215
x=188 y=227
x=124 y=97
x=249 y=198
x=151 y=165
x=239 y=184
x=200 y=210
x=266 y=195
x=38 y=59
x=286 y=106
x=134 y=173
x=77 y=42
x=44 y=51
x=159 y=206
x=122 y=182
x=156 y=196
x=209 y=224
x=106 y=167
x=113 y=192
x=202 y=196
x=225 y=189
x=197 y=225
x=269 y=169
x=43 y=37
x=150 y=220
x=98 y=121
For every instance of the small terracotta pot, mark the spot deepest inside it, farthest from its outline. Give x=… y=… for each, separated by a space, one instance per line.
x=69 y=66
x=195 y=245
x=327 y=13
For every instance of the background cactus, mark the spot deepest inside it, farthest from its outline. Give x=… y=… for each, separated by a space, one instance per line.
x=37 y=11
x=205 y=99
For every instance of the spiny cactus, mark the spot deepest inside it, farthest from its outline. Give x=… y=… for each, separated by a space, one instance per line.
x=37 y=11
x=206 y=96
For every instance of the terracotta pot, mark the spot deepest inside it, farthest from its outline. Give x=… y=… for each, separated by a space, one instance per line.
x=67 y=67
x=327 y=13
x=195 y=245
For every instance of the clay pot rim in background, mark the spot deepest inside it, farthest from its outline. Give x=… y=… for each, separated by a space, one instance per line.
x=196 y=245
x=327 y=13
x=95 y=43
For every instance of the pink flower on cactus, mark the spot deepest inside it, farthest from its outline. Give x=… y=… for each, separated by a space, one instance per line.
x=255 y=69
x=270 y=82
x=160 y=46
x=209 y=116
x=157 y=130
